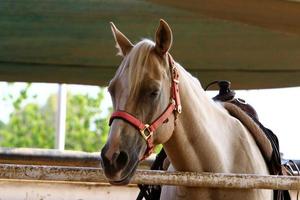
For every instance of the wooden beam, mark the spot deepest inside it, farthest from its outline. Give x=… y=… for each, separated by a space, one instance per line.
x=31 y=156
x=101 y=75
x=250 y=79
x=188 y=179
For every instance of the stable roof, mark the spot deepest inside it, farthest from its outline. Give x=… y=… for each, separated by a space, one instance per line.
x=255 y=44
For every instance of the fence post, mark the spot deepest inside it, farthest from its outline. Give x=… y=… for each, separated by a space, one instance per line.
x=61 y=117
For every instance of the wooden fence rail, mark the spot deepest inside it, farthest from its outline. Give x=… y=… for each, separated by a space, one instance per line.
x=31 y=156
x=96 y=175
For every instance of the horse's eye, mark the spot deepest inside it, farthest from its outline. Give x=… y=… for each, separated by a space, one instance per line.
x=154 y=93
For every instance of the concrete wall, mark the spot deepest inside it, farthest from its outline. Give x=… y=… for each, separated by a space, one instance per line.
x=27 y=190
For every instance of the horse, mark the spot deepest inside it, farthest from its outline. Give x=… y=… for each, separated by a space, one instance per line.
x=198 y=134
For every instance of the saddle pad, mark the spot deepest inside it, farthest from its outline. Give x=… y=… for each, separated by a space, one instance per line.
x=258 y=134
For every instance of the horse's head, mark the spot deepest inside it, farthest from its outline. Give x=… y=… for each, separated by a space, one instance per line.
x=140 y=89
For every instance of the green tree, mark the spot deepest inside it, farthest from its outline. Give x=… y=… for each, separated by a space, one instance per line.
x=2 y=124
x=86 y=129
x=32 y=125
x=27 y=125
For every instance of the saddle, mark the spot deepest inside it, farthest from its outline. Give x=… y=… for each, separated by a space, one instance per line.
x=266 y=140
x=270 y=153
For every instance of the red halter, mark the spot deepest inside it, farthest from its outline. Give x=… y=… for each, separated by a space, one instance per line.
x=174 y=105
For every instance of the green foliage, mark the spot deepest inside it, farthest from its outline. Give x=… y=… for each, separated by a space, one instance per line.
x=27 y=126
x=1 y=124
x=33 y=125
x=86 y=130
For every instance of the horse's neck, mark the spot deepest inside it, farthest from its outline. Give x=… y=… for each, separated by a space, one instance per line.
x=191 y=139
x=204 y=133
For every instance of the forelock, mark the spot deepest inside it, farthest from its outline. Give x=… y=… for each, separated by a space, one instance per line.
x=138 y=58
x=134 y=64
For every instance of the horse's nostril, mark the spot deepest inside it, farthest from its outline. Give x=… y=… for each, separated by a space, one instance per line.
x=121 y=160
x=115 y=161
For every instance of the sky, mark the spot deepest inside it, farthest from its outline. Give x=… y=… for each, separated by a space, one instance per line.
x=278 y=109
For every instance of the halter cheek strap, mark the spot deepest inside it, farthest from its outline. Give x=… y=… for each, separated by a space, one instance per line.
x=147 y=130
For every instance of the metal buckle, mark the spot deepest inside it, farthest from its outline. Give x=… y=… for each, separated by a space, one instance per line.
x=179 y=109
x=175 y=80
x=142 y=131
x=172 y=101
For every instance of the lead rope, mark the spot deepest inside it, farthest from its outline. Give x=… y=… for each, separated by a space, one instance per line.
x=152 y=192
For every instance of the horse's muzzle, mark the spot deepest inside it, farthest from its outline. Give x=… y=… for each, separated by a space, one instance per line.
x=117 y=166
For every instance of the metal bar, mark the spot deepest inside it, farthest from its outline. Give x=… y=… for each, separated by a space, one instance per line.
x=190 y=179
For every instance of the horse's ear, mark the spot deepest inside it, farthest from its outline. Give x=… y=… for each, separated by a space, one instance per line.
x=163 y=38
x=122 y=43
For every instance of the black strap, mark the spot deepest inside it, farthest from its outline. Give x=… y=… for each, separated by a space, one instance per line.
x=152 y=192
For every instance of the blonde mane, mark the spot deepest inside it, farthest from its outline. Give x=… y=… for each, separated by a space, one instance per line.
x=134 y=64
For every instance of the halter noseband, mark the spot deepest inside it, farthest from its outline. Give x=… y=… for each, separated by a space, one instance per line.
x=147 y=130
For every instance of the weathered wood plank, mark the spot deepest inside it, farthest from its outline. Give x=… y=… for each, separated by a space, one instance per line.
x=32 y=156
x=152 y=177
